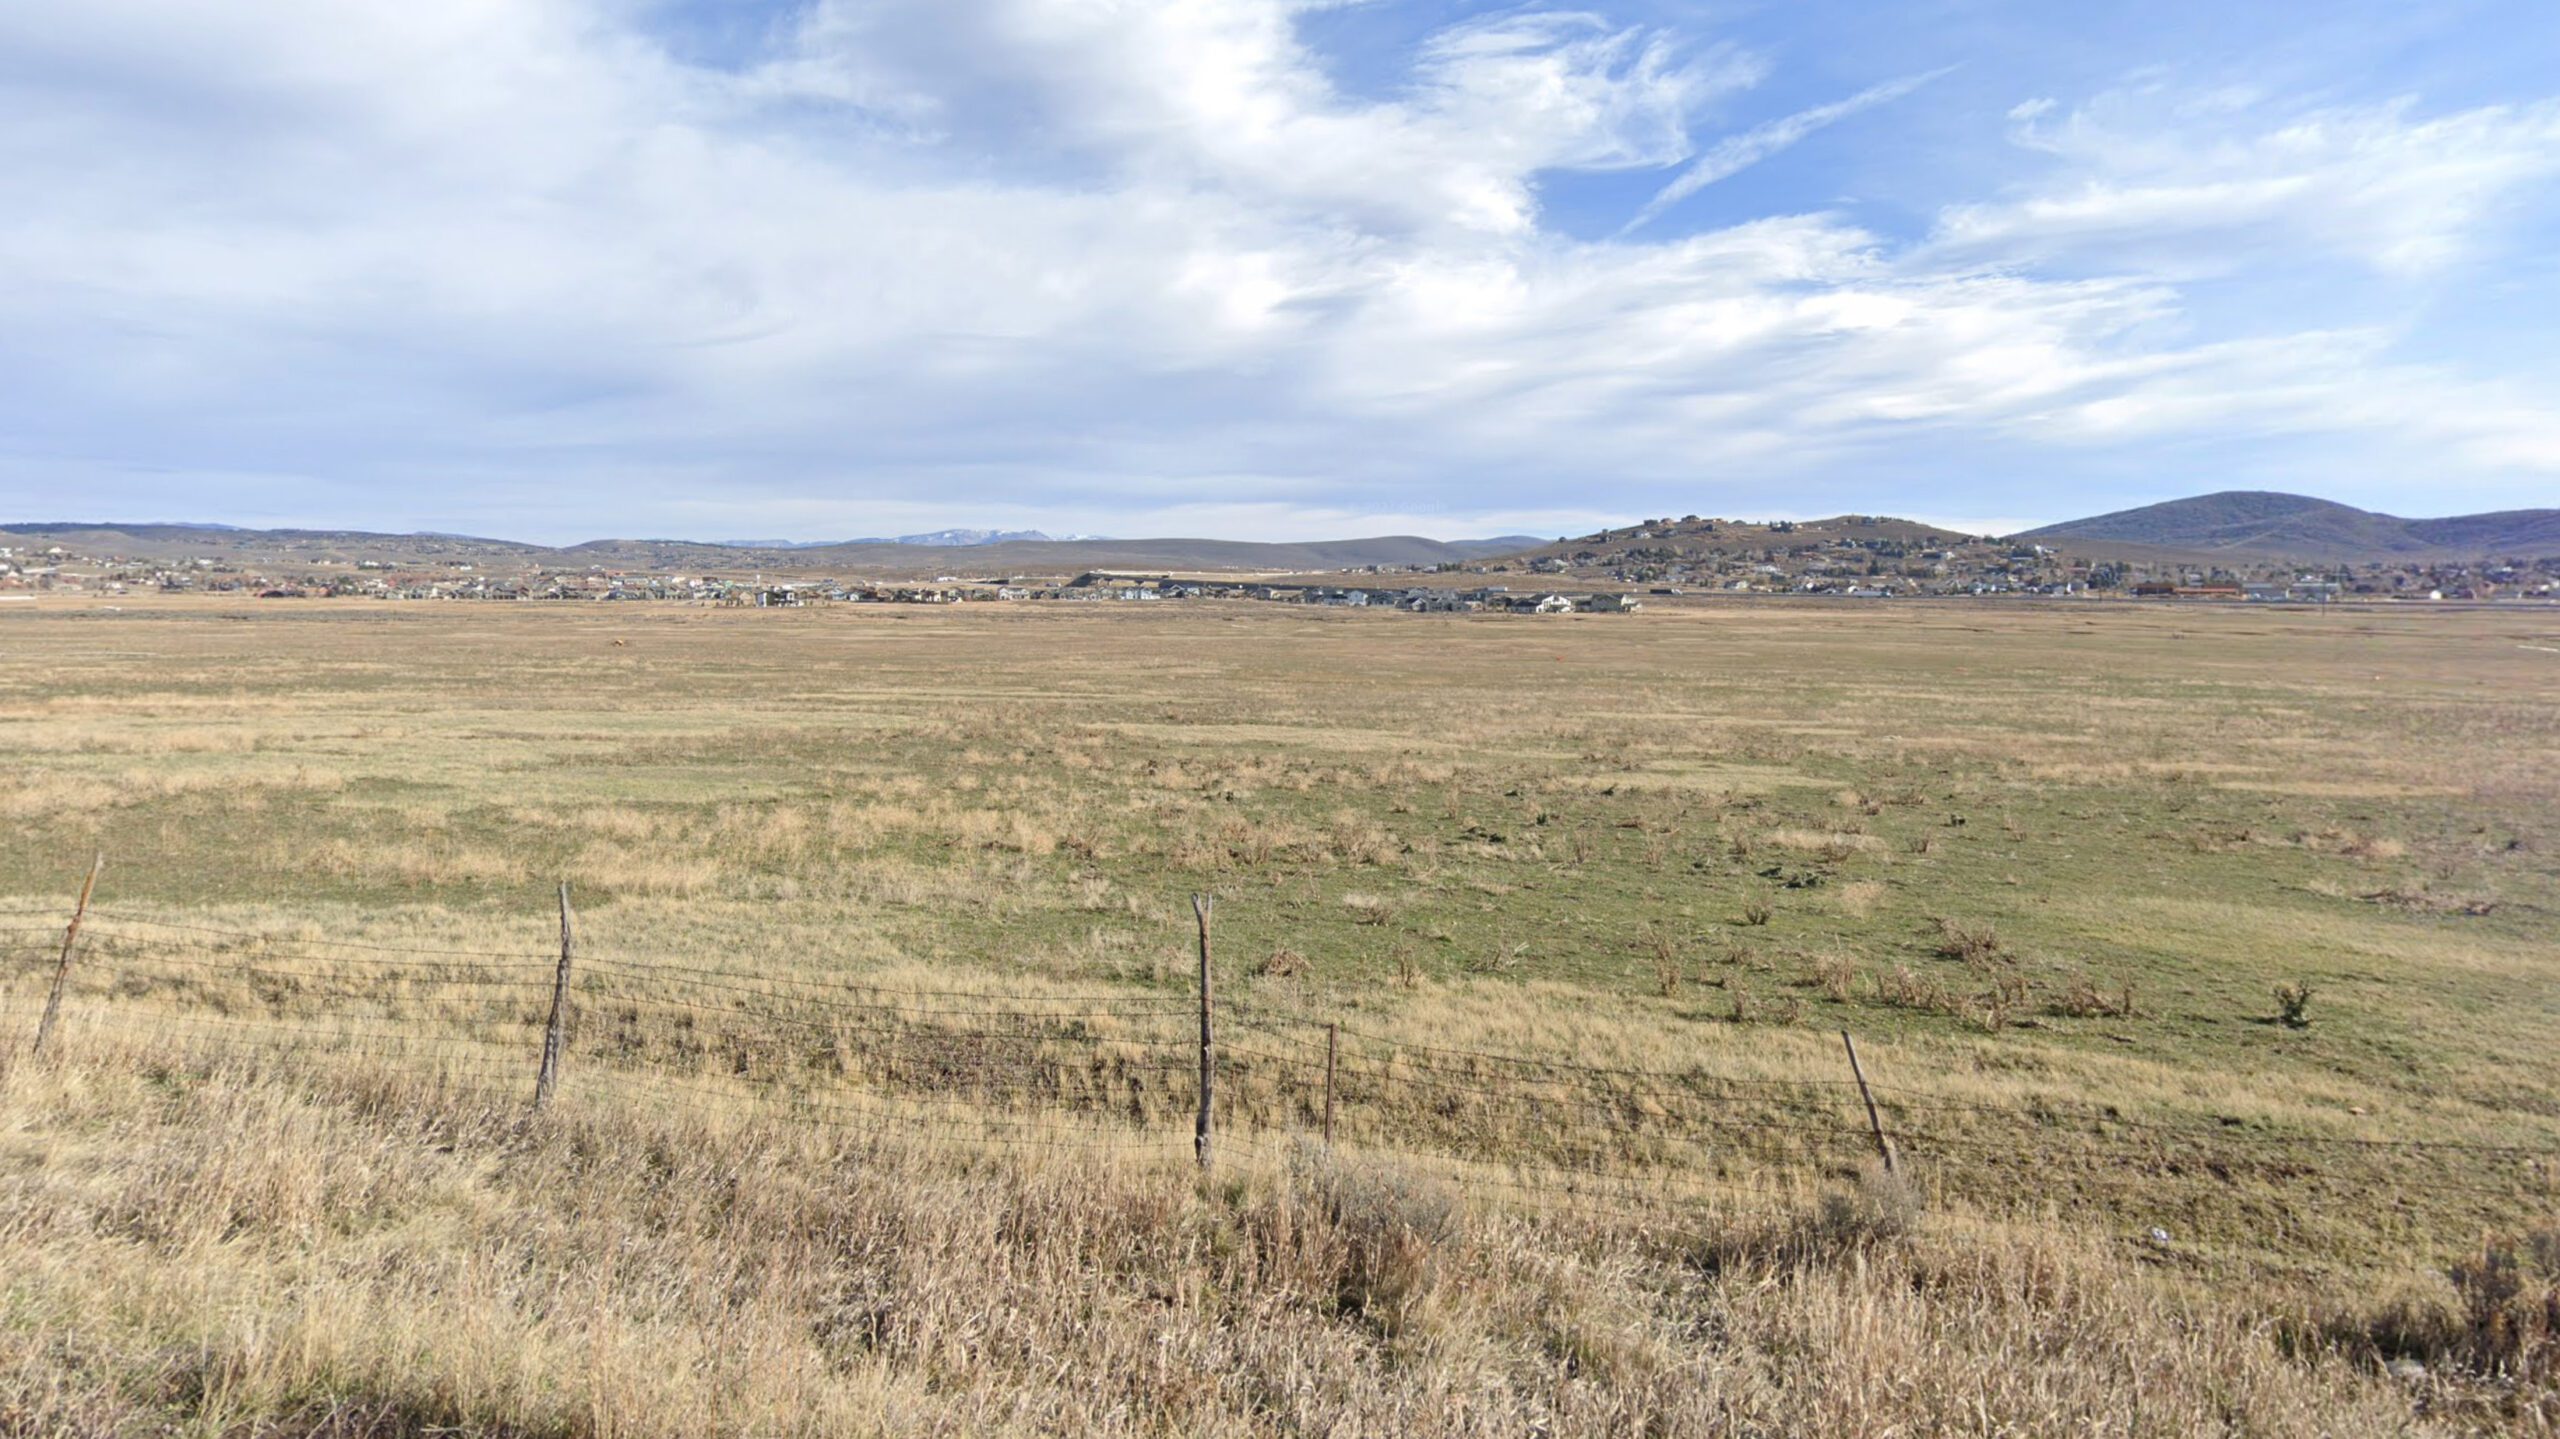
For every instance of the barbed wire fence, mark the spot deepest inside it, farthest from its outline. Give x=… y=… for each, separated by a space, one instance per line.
x=1118 y=1073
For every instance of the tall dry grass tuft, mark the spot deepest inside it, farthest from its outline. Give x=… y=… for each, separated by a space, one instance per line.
x=1370 y=1234
x=2480 y=1344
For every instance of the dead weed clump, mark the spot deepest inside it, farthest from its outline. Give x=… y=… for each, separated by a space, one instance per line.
x=1996 y=1006
x=1972 y=941
x=1900 y=988
x=2083 y=999
x=1836 y=976
x=1662 y=947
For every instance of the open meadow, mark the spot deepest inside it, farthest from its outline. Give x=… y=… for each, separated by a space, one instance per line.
x=876 y=1101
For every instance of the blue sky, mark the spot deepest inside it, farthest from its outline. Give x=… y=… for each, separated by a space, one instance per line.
x=558 y=269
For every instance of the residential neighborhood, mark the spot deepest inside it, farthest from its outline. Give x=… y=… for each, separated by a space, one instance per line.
x=1658 y=562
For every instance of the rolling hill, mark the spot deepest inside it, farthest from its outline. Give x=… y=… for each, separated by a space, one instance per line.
x=2267 y=524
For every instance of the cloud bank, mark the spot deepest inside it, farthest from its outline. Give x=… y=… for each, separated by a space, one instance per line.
x=543 y=266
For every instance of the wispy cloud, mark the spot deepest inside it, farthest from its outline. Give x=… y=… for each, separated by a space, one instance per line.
x=1738 y=153
x=2177 y=186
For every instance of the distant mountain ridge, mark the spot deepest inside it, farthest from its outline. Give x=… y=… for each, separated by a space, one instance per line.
x=2254 y=525
x=2267 y=524
x=948 y=539
x=977 y=551
x=187 y=529
x=1057 y=556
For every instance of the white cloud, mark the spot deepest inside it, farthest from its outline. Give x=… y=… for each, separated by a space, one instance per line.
x=2205 y=185
x=1222 y=94
x=1080 y=264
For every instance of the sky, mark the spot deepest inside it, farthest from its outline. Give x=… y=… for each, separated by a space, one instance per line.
x=1268 y=269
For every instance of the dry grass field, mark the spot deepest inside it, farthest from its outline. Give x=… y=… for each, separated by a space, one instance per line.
x=876 y=1109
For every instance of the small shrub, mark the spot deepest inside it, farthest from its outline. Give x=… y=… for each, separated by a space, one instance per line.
x=1971 y=942
x=1837 y=977
x=1994 y=1006
x=1381 y=1235
x=2293 y=1004
x=1663 y=948
x=1902 y=989
x=2084 y=1000
x=1755 y=912
x=1282 y=963
x=1883 y=1207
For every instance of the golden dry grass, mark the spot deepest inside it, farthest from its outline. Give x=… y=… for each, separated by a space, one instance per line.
x=243 y=1250
x=1534 y=839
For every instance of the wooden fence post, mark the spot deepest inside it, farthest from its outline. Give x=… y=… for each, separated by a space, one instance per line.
x=1875 y=1121
x=555 y=1033
x=62 y=967
x=1332 y=1038
x=1200 y=905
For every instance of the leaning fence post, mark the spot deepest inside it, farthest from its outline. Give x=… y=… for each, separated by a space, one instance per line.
x=554 y=1032
x=1200 y=905
x=62 y=967
x=1332 y=1038
x=1875 y=1121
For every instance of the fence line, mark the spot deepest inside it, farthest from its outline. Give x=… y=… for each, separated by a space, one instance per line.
x=1116 y=1071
